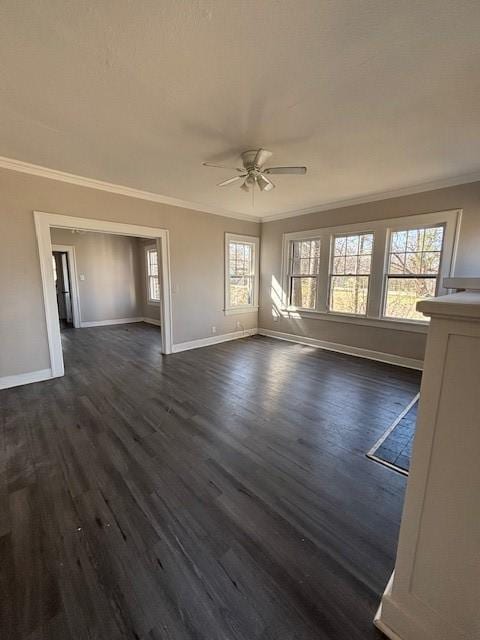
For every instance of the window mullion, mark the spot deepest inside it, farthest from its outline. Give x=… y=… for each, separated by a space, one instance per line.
x=323 y=274
x=377 y=274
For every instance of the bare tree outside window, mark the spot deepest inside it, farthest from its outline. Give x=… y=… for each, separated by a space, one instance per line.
x=350 y=273
x=413 y=267
x=304 y=268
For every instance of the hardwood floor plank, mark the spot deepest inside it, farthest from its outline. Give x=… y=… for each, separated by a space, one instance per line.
x=35 y=589
x=219 y=494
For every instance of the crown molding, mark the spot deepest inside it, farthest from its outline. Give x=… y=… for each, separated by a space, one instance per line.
x=92 y=183
x=374 y=197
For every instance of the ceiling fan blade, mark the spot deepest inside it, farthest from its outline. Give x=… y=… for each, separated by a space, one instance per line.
x=264 y=183
x=300 y=171
x=262 y=156
x=222 y=166
x=229 y=181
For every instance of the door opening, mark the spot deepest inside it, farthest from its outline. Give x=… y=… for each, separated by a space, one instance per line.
x=44 y=222
x=63 y=288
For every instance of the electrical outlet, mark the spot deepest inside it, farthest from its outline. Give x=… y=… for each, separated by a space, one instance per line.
x=239 y=325
x=214 y=329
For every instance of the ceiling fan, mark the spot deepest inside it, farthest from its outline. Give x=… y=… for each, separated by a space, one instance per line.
x=254 y=172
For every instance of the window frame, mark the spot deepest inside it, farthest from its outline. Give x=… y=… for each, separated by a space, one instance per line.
x=345 y=234
x=381 y=230
x=291 y=276
x=387 y=275
x=254 y=241
x=148 y=248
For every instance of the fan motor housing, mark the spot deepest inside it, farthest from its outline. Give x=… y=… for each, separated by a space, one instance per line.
x=248 y=158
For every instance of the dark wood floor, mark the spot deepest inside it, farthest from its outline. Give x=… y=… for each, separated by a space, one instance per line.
x=220 y=493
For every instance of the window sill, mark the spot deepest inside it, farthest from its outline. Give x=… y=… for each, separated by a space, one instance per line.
x=236 y=311
x=153 y=302
x=413 y=326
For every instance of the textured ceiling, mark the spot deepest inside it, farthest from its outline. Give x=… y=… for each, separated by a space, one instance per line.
x=372 y=96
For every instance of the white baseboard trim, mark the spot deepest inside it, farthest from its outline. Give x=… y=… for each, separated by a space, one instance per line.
x=378 y=622
x=205 y=342
x=386 y=630
x=25 y=378
x=389 y=358
x=152 y=321
x=104 y=323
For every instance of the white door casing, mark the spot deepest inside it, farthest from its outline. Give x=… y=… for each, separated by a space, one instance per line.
x=44 y=222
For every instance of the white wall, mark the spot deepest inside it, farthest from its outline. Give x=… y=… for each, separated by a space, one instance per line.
x=406 y=344
x=109 y=264
x=197 y=262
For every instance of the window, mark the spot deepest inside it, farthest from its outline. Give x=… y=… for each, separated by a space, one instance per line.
x=412 y=273
x=241 y=269
x=241 y=274
x=153 y=285
x=350 y=273
x=371 y=273
x=304 y=269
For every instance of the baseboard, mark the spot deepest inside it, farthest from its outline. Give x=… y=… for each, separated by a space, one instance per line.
x=378 y=622
x=25 y=378
x=154 y=321
x=205 y=342
x=103 y=323
x=381 y=626
x=417 y=623
x=379 y=356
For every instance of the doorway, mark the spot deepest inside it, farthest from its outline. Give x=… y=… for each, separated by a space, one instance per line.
x=66 y=285
x=61 y=276
x=43 y=224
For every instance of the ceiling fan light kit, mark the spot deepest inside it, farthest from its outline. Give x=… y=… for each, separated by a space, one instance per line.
x=254 y=171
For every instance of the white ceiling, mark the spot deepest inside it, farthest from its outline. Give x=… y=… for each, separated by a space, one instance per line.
x=372 y=96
